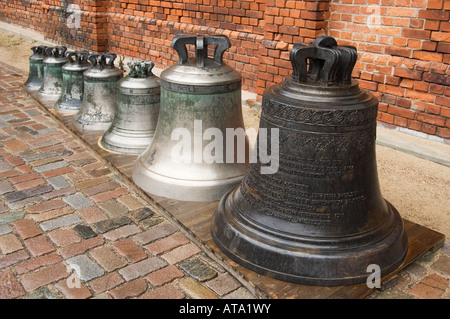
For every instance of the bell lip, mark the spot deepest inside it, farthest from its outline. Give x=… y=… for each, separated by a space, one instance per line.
x=330 y=261
x=91 y=126
x=65 y=108
x=183 y=190
x=124 y=148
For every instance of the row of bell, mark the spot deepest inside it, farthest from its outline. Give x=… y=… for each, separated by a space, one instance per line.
x=319 y=218
x=94 y=90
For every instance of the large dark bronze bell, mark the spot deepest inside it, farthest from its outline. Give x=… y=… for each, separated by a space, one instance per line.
x=133 y=127
x=36 y=69
x=73 y=83
x=98 y=105
x=320 y=219
x=52 y=81
x=190 y=157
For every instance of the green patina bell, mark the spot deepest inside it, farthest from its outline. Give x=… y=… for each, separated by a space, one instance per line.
x=53 y=80
x=73 y=83
x=100 y=94
x=136 y=116
x=36 y=69
x=200 y=103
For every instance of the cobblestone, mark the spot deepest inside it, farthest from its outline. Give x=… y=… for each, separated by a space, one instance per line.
x=60 y=222
x=85 y=268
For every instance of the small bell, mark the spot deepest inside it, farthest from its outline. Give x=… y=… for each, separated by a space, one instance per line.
x=52 y=82
x=100 y=93
x=136 y=116
x=36 y=73
x=73 y=83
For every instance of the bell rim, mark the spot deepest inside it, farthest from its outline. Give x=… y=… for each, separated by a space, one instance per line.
x=329 y=260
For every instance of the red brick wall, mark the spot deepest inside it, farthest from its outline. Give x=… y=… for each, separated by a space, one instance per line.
x=403 y=45
x=404 y=57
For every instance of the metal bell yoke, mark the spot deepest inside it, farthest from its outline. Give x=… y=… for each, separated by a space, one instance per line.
x=53 y=80
x=189 y=158
x=73 y=82
x=36 y=69
x=320 y=219
x=100 y=94
x=136 y=116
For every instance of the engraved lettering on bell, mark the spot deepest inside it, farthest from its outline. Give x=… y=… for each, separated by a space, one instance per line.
x=321 y=218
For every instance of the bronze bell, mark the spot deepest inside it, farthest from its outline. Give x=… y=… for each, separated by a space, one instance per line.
x=36 y=69
x=189 y=158
x=52 y=80
x=73 y=83
x=135 y=119
x=100 y=94
x=320 y=218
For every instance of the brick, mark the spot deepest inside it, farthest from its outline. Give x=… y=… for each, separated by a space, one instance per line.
x=165 y=292
x=100 y=188
x=223 y=284
x=122 y=232
x=428 y=56
x=195 y=290
x=92 y=214
x=434 y=15
x=92 y=182
x=38 y=262
x=24 y=178
x=13 y=258
x=164 y=275
x=21 y=195
x=5 y=187
x=409 y=74
x=141 y=214
x=26 y=228
x=129 y=250
x=112 y=223
x=113 y=208
x=84 y=231
x=45 y=206
x=130 y=201
x=58 y=182
x=85 y=268
x=442 y=264
x=77 y=201
x=430 y=119
x=105 y=283
x=77 y=292
x=58 y=172
x=39 y=245
x=129 y=289
x=4 y=229
x=155 y=233
x=106 y=258
x=198 y=269
x=9 y=244
x=81 y=247
x=167 y=244
x=10 y=288
x=66 y=220
x=181 y=253
x=51 y=166
x=59 y=193
x=15 y=145
x=44 y=277
x=105 y=196
x=141 y=268
x=64 y=237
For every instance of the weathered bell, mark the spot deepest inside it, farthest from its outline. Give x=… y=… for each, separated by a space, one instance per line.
x=36 y=69
x=73 y=83
x=52 y=81
x=189 y=158
x=100 y=93
x=134 y=123
x=320 y=218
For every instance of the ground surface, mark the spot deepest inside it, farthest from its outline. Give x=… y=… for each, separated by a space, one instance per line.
x=418 y=188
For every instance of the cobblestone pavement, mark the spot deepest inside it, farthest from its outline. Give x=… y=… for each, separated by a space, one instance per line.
x=63 y=212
